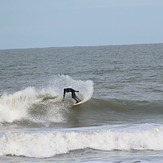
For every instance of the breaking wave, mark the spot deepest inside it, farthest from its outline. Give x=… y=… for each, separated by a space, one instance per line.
x=41 y=105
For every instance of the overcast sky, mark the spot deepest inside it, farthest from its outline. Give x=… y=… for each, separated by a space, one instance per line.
x=60 y=23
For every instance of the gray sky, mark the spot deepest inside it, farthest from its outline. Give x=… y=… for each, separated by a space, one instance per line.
x=53 y=23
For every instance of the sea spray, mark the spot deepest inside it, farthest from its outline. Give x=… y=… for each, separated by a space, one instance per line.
x=65 y=81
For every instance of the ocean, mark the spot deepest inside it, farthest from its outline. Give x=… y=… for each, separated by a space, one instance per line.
x=119 y=121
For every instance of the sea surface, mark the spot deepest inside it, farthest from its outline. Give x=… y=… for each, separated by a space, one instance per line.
x=119 y=121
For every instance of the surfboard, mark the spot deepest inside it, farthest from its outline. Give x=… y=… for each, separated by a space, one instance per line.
x=78 y=103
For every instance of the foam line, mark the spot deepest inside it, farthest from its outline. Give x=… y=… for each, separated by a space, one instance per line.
x=50 y=143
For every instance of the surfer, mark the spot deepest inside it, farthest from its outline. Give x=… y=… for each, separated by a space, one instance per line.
x=66 y=90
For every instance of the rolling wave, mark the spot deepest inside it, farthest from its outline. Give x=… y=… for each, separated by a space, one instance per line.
x=125 y=106
x=101 y=112
x=44 y=106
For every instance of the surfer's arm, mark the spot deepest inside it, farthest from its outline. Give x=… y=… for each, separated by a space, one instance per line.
x=64 y=94
x=63 y=97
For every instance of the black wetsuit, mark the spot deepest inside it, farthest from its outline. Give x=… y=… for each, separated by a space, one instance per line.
x=72 y=93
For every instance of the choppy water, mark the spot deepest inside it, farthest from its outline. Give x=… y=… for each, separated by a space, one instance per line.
x=121 y=119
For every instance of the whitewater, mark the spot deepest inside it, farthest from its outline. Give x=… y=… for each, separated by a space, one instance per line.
x=49 y=143
x=120 y=119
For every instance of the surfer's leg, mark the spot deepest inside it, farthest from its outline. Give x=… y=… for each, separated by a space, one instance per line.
x=75 y=97
x=76 y=100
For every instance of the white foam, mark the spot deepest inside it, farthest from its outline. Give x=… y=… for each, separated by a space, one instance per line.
x=14 y=106
x=49 y=143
